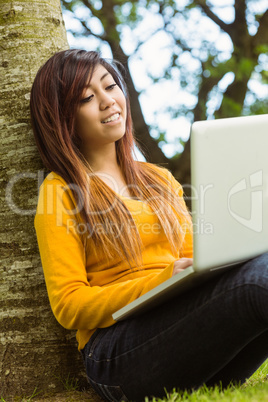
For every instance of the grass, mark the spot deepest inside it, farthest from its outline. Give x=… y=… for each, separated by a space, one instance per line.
x=24 y=399
x=256 y=393
x=254 y=390
x=69 y=383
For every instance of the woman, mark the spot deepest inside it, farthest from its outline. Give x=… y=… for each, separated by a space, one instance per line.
x=111 y=228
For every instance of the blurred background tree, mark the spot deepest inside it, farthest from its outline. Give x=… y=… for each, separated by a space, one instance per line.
x=191 y=59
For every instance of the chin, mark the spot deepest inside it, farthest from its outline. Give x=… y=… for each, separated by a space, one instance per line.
x=119 y=137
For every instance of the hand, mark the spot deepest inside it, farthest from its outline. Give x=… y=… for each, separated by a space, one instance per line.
x=181 y=264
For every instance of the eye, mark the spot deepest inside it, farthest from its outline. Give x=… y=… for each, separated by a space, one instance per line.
x=111 y=86
x=87 y=99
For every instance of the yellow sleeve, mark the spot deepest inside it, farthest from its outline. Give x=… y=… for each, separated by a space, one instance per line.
x=75 y=303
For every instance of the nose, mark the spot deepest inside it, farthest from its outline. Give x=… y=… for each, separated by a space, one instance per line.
x=106 y=101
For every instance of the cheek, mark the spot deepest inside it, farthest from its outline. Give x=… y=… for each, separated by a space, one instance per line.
x=123 y=104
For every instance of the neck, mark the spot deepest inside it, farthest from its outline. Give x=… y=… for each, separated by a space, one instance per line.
x=104 y=164
x=103 y=160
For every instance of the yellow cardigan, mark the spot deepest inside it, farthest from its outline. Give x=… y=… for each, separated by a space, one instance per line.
x=84 y=288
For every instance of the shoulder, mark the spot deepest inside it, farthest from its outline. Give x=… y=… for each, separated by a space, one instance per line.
x=153 y=168
x=163 y=175
x=53 y=182
x=53 y=179
x=55 y=194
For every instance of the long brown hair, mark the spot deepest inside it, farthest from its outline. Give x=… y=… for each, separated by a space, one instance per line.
x=55 y=96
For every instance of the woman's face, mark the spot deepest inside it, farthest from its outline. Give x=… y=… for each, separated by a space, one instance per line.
x=101 y=114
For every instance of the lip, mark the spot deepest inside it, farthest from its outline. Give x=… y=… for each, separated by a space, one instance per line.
x=110 y=115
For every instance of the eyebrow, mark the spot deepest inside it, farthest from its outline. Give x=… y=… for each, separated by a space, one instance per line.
x=104 y=75
x=101 y=79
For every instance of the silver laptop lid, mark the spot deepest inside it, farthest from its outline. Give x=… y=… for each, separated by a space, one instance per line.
x=229 y=168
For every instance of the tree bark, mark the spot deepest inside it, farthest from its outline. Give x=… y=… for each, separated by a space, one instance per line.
x=35 y=352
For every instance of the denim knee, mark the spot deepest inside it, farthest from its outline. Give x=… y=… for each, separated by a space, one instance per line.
x=254 y=277
x=257 y=271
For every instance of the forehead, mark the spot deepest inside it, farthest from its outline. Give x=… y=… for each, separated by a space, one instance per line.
x=98 y=75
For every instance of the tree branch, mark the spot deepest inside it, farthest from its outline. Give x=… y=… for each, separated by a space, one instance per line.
x=239 y=26
x=181 y=167
x=209 y=13
x=261 y=37
x=240 y=12
x=88 y=30
x=140 y=43
x=88 y=5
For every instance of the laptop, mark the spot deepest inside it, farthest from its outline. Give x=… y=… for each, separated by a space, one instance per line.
x=229 y=194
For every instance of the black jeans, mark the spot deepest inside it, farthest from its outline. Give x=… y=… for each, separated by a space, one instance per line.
x=215 y=333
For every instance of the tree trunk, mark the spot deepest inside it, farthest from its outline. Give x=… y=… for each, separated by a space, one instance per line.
x=35 y=352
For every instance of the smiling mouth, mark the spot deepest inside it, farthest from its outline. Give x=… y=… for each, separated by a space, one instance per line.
x=114 y=117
